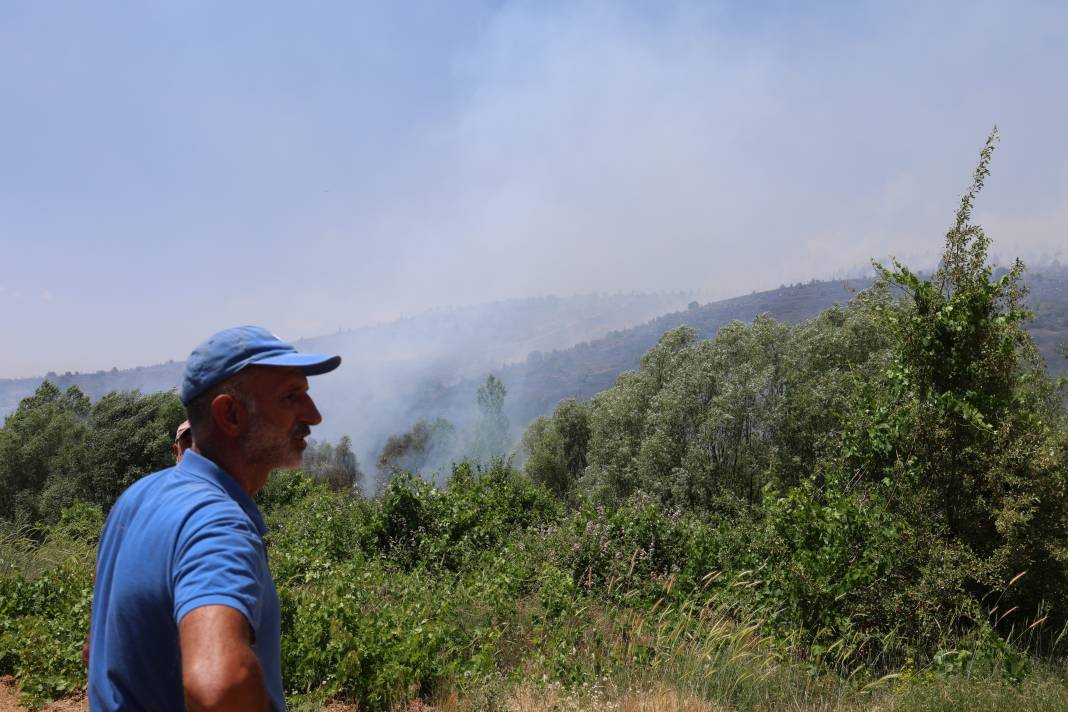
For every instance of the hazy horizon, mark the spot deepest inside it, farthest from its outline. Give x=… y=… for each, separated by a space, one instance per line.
x=440 y=311
x=169 y=171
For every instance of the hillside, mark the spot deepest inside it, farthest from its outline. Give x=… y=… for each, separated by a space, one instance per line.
x=1049 y=301
x=537 y=384
x=544 y=349
x=589 y=368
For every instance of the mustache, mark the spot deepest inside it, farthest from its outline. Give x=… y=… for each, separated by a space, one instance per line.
x=301 y=430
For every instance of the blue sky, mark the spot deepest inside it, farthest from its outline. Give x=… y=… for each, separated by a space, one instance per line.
x=169 y=169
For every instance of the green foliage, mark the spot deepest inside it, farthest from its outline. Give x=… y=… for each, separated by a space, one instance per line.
x=129 y=436
x=429 y=590
x=706 y=422
x=43 y=622
x=417 y=524
x=378 y=595
x=376 y=637
x=38 y=446
x=285 y=487
x=554 y=448
x=56 y=448
x=822 y=561
x=626 y=553
x=81 y=522
x=965 y=421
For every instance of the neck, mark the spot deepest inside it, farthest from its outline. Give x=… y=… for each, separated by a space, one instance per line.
x=250 y=477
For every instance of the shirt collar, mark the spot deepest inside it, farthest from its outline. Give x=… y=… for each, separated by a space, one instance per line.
x=199 y=466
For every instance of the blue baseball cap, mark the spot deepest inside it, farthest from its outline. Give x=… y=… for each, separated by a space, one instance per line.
x=227 y=352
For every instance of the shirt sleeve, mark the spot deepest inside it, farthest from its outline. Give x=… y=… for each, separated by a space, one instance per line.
x=217 y=561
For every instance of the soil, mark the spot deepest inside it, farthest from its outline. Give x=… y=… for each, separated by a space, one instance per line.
x=9 y=699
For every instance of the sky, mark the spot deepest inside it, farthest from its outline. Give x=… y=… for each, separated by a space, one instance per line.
x=171 y=169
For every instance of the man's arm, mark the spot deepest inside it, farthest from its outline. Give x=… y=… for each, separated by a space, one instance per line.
x=220 y=671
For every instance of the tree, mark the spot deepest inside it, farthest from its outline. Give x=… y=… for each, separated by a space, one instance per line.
x=129 y=436
x=490 y=438
x=57 y=447
x=704 y=422
x=555 y=447
x=40 y=438
x=337 y=465
x=963 y=422
x=425 y=447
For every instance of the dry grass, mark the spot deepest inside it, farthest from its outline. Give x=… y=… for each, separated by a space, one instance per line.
x=554 y=699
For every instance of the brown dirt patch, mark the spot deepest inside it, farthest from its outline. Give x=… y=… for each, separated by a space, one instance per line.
x=9 y=695
x=77 y=702
x=9 y=699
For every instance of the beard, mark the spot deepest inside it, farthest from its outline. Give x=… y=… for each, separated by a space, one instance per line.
x=276 y=449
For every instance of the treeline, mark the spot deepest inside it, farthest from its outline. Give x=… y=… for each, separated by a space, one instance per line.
x=58 y=448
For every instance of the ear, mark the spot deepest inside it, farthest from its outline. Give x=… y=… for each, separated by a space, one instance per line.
x=228 y=414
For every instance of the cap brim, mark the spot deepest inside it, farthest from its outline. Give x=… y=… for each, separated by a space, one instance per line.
x=310 y=364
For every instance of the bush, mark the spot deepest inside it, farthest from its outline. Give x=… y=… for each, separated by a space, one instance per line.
x=43 y=623
x=629 y=552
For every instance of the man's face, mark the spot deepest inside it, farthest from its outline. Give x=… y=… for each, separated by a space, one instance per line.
x=281 y=414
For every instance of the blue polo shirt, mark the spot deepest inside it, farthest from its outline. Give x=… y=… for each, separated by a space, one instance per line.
x=182 y=538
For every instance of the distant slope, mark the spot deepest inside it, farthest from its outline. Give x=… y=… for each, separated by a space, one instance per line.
x=589 y=368
x=537 y=384
x=1049 y=301
x=146 y=379
x=543 y=379
x=544 y=349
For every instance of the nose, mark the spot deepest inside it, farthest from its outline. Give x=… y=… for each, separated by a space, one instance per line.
x=311 y=414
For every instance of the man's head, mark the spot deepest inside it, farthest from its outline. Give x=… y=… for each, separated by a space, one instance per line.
x=246 y=394
x=183 y=440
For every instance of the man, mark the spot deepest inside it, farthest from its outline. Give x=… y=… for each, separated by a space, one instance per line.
x=185 y=613
x=183 y=440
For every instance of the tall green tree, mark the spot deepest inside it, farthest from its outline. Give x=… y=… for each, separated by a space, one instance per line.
x=58 y=447
x=963 y=422
x=490 y=437
x=129 y=435
x=42 y=439
x=705 y=424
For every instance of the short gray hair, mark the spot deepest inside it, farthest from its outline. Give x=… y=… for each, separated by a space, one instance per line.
x=198 y=410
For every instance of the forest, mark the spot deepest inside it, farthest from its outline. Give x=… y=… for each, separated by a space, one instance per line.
x=865 y=509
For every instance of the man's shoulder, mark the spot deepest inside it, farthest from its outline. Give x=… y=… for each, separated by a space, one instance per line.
x=140 y=489
x=174 y=492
